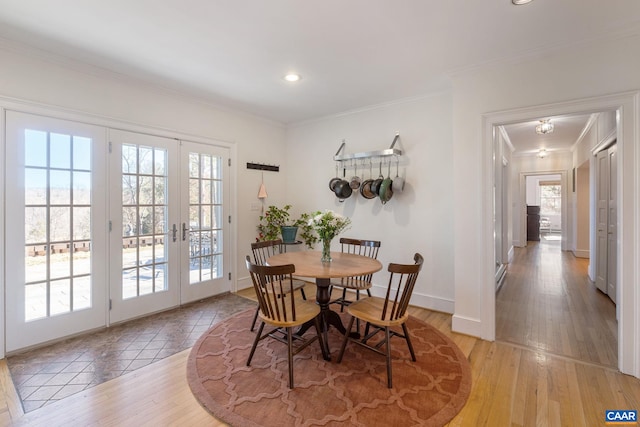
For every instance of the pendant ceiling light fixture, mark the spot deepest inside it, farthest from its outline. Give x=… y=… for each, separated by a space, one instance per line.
x=544 y=127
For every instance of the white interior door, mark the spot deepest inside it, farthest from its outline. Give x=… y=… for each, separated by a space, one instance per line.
x=612 y=222
x=56 y=229
x=602 y=223
x=205 y=260
x=144 y=214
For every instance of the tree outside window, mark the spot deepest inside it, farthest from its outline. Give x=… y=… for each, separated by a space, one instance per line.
x=550 y=199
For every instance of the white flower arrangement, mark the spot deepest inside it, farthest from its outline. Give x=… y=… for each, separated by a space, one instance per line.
x=328 y=224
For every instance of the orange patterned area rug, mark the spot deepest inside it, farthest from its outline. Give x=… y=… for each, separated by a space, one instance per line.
x=429 y=392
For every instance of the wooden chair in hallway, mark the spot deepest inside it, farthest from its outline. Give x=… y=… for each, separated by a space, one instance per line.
x=278 y=307
x=382 y=314
x=368 y=248
x=261 y=252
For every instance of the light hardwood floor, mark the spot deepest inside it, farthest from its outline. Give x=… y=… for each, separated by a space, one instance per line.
x=548 y=303
x=513 y=385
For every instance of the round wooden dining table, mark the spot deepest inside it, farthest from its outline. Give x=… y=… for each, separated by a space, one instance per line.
x=308 y=264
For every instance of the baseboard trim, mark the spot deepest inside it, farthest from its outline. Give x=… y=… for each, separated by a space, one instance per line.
x=578 y=253
x=421 y=300
x=433 y=303
x=466 y=325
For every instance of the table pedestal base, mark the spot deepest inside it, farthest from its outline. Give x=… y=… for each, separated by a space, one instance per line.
x=328 y=317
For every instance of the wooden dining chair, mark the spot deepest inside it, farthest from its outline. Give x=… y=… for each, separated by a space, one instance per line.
x=368 y=248
x=261 y=252
x=382 y=314
x=278 y=308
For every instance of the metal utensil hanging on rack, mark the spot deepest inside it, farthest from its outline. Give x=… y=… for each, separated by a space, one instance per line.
x=398 y=181
x=342 y=188
x=375 y=187
x=334 y=181
x=386 y=191
x=355 y=179
x=365 y=187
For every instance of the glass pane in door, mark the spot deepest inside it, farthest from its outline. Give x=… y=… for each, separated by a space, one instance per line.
x=144 y=225
x=205 y=217
x=57 y=215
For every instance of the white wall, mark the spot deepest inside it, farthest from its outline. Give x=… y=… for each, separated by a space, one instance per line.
x=99 y=95
x=418 y=220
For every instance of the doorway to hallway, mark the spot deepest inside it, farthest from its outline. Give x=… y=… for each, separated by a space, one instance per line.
x=625 y=125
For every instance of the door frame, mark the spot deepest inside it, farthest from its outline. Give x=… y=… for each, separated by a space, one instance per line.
x=3 y=136
x=564 y=231
x=57 y=112
x=627 y=106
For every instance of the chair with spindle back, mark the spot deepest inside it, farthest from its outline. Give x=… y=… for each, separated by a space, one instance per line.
x=278 y=308
x=261 y=252
x=384 y=313
x=368 y=248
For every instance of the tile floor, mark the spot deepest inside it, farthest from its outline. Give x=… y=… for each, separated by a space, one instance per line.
x=51 y=373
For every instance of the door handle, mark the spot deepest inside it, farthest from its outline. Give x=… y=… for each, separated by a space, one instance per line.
x=184 y=231
x=174 y=232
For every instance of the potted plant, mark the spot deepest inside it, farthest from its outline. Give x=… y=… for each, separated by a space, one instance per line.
x=277 y=223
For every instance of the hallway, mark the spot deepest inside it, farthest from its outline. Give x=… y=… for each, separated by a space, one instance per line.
x=548 y=304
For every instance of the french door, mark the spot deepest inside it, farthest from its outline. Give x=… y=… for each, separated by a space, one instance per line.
x=144 y=213
x=55 y=229
x=168 y=234
x=205 y=263
x=105 y=225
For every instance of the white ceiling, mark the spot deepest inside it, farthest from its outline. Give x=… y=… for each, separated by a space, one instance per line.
x=350 y=54
x=566 y=131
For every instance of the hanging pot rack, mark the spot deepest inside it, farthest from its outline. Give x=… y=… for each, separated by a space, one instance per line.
x=340 y=156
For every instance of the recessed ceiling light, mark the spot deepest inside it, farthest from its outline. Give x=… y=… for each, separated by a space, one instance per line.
x=519 y=2
x=292 y=77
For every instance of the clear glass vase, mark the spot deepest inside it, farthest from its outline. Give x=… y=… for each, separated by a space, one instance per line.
x=326 y=250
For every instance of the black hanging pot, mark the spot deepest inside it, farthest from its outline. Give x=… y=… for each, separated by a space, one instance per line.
x=375 y=185
x=343 y=190
x=334 y=181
